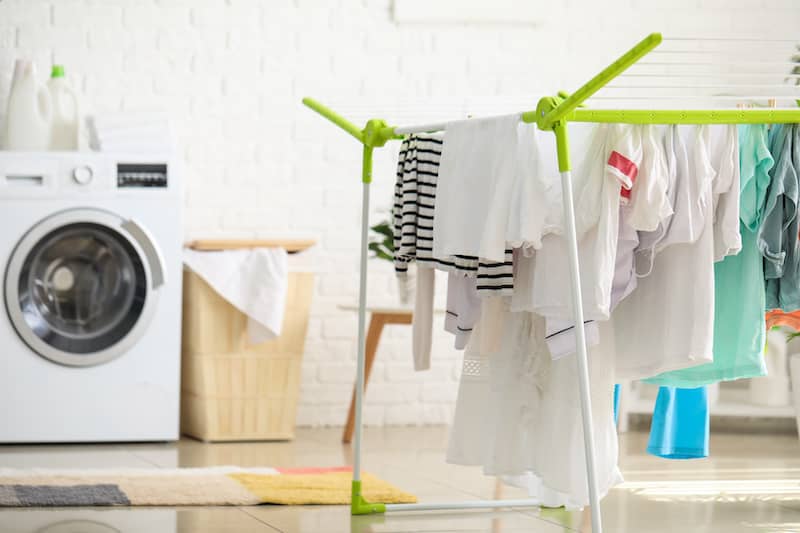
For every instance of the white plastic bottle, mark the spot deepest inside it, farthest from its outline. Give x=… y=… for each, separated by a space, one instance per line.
x=66 y=124
x=30 y=111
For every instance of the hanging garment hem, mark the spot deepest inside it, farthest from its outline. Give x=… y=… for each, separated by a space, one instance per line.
x=645 y=374
x=678 y=453
x=702 y=379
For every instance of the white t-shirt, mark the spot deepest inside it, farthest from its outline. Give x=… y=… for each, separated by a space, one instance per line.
x=650 y=204
x=611 y=162
x=725 y=150
x=477 y=171
x=661 y=174
x=667 y=323
x=535 y=192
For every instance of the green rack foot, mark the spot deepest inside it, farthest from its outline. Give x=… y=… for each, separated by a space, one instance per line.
x=359 y=506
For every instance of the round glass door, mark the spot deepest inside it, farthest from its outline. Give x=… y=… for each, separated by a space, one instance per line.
x=76 y=291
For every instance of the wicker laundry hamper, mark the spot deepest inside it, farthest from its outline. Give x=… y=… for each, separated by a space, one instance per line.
x=231 y=389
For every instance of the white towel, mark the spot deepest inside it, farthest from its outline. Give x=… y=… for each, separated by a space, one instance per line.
x=254 y=281
x=473 y=193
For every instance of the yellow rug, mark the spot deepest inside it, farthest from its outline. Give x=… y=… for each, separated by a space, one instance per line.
x=328 y=488
x=190 y=486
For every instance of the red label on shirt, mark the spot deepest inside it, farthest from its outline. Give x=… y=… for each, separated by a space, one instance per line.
x=627 y=168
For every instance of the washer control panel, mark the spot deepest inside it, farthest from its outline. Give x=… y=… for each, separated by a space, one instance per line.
x=142 y=175
x=83 y=174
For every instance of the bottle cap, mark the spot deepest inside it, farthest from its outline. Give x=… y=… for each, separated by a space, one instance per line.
x=57 y=72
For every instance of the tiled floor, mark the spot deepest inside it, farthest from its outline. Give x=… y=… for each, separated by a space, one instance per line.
x=751 y=484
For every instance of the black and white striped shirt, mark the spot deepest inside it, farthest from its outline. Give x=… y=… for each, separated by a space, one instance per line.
x=412 y=220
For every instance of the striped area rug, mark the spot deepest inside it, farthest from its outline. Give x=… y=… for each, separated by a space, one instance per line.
x=189 y=486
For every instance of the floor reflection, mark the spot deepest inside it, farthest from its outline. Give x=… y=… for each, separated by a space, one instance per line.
x=89 y=521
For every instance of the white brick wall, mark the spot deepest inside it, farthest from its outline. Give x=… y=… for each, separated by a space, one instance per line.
x=232 y=73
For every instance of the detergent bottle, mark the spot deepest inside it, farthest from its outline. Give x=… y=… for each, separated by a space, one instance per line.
x=30 y=111
x=65 y=128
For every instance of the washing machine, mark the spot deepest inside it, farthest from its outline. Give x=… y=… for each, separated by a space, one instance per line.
x=90 y=327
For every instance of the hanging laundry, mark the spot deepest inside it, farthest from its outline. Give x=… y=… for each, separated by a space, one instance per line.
x=778 y=234
x=642 y=208
x=535 y=207
x=662 y=171
x=624 y=281
x=413 y=219
x=463 y=308
x=611 y=162
x=677 y=296
x=476 y=179
x=738 y=279
x=726 y=191
x=780 y=209
x=422 y=319
x=560 y=332
x=789 y=296
x=516 y=406
x=680 y=427
x=650 y=203
x=413 y=226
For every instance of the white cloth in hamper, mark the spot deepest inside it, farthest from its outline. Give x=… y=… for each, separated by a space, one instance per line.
x=254 y=281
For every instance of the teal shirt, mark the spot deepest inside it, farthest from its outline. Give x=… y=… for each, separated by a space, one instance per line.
x=739 y=297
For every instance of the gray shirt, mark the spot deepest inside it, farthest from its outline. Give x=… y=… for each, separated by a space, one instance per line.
x=789 y=290
x=778 y=234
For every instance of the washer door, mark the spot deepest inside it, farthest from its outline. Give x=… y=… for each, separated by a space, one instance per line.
x=81 y=286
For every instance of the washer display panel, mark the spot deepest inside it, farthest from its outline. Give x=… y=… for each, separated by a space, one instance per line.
x=77 y=291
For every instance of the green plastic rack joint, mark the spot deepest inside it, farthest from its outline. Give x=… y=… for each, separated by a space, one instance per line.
x=359 y=506
x=366 y=164
x=562 y=145
x=376 y=133
x=543 y=109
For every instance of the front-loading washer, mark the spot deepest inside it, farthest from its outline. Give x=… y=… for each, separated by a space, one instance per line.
x=90 y=246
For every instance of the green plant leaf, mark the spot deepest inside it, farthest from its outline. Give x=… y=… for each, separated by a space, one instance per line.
x=380 y=251
x=384 y=238
x=383 y=229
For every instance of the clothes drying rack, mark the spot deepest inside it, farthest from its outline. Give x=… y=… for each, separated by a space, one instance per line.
x=551 y=114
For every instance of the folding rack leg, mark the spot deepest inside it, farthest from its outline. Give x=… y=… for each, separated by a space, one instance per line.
x=562 y=146
x=357 y=503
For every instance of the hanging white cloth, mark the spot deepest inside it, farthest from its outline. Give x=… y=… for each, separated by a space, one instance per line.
x=667 y=323
x=611 y=163
x=483 y=163
x=518 y=414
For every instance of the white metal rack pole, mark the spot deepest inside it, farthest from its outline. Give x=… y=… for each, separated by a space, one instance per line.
x=362 y=320
x=581 y=355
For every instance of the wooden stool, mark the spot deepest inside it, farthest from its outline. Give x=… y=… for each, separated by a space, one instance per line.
x=379 y=317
